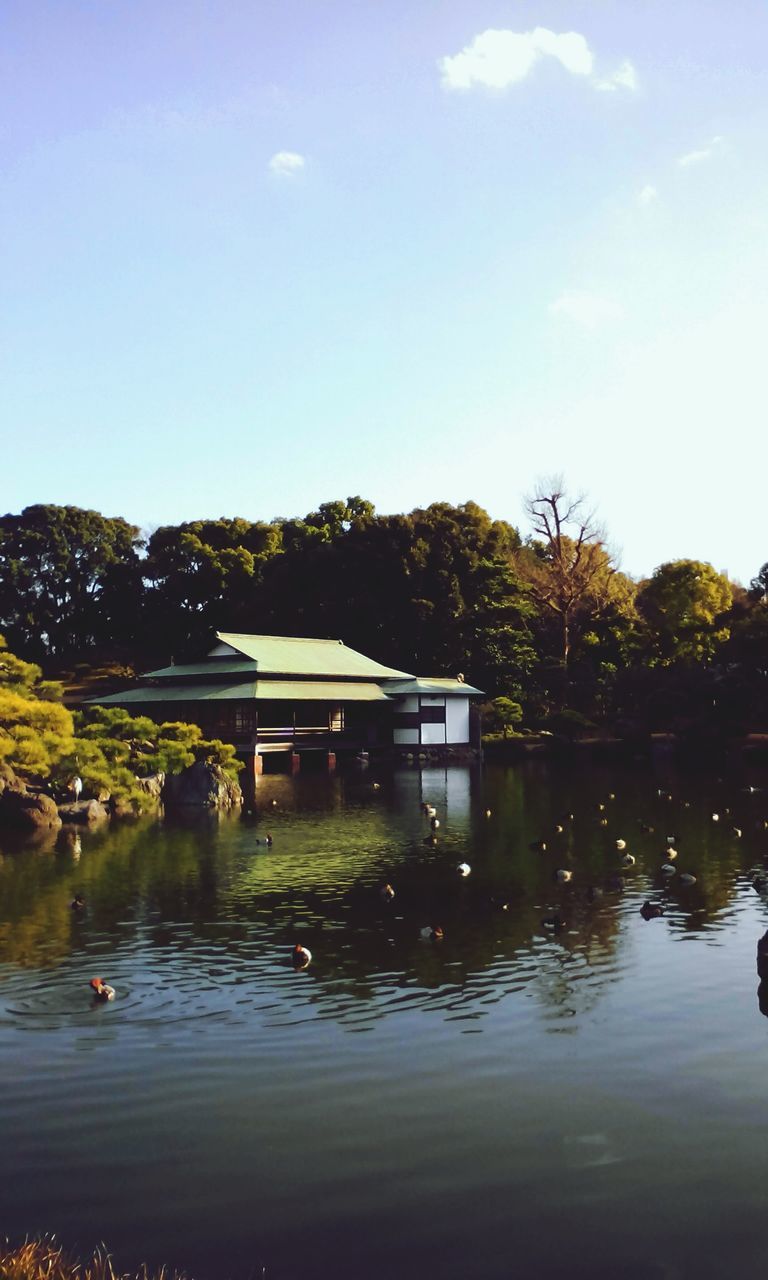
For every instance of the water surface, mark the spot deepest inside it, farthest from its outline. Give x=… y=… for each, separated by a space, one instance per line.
x=511 y=1100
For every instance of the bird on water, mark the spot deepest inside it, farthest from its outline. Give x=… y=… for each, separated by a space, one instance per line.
x=101 y=990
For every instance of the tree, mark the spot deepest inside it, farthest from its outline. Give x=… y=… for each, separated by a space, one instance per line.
x=569 y=569
x=684 y=604
x=69 y=580
x=202 y=576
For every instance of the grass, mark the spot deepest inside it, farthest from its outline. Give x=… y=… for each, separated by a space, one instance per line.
x=45 y=1259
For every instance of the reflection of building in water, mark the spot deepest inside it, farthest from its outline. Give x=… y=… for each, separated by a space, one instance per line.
x=449 y=788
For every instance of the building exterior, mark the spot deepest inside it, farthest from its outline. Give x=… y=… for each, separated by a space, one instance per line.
x=270 y=694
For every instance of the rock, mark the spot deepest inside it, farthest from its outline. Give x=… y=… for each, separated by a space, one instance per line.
x=10 y=781
x=202 y=785
x=84 y=811
x=120 y=808
x=25 y=811
x=153 y=785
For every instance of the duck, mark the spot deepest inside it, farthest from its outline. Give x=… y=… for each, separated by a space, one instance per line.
x=671 y=853
x=651 y=911
x=538 y=846
x=267 y=840
x=603 y=822
x=101 y=990
x=429 y=810
x=434 y=823
x=621 y=844
x=559 y=828
x=273 y=804
x=555 y=923
x=687 y=878
x=431 y=933
x=488 y=813
x=387 y=893
x=78 y=903
x=464 y=869
x=375 y=786
x=715 y=817
x=300 y=956
x=667 y=869
x=628 y=860
x=736 y=831
x=562 y=876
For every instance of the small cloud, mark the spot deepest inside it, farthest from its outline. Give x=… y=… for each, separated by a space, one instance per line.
x=624 y=77
x=286 y=163
x=704 y=153
x=648 y=194
x=497 y=59
x=586 y=309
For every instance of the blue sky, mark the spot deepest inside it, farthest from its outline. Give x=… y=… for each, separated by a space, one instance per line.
x=258 y=255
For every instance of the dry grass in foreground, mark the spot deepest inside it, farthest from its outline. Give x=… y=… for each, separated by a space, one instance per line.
x=46 y=1260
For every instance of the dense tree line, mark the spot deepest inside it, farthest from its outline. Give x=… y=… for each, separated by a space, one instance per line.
x=546 y=621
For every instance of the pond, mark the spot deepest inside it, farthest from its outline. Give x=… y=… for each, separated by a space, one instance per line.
x=557 y=1087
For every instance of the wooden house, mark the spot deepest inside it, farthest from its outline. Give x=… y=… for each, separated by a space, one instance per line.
x=289 y=694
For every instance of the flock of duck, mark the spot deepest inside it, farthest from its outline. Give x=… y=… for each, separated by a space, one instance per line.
x=301 y=956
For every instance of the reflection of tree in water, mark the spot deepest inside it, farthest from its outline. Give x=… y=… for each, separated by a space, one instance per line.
x=205 y=888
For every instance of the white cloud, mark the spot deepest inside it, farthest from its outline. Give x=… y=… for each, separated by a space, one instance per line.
x=648 y=194
x=624 y=77
x=286 y=163
x=497 y=59
x=704 y=153
x=587 y=310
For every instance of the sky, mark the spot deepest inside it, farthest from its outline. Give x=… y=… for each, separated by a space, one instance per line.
x=261 y=254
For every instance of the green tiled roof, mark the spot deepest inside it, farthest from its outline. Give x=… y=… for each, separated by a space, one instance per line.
x=263 y=690
x=290 y=655
x=212 y=667
x=216 y=691
x=319 y=691
x=430 y=687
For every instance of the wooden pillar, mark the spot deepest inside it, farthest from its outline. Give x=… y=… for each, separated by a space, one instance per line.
x=331 y=761
x=295 y=762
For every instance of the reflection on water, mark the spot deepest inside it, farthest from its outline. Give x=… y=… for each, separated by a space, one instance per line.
x=457 y=1058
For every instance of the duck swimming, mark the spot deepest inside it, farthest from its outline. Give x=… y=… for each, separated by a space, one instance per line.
x=562 y=876
x=431 y=933
x=628 y=860
x=300 y=956
x=387 y=893
x=101 y=990
x=463 y=868
x=651 y=911
x=78 y=903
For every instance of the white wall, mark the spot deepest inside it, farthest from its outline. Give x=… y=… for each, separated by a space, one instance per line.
x=432 y=734
x=457 y=720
